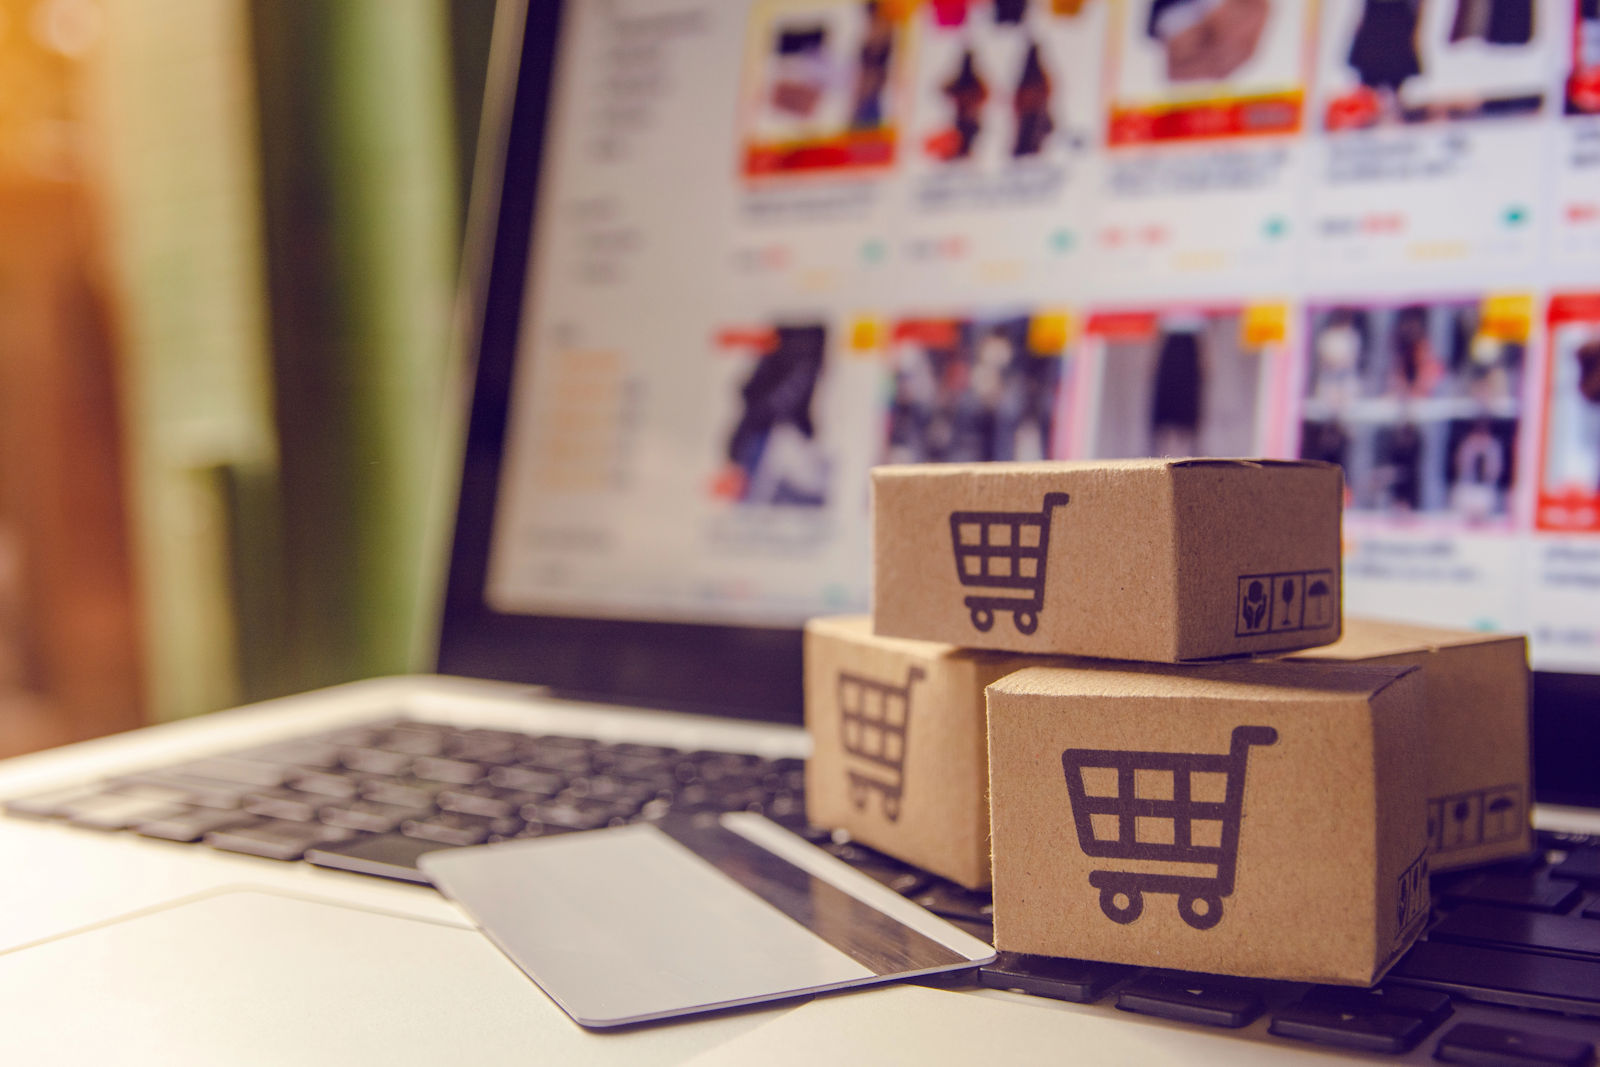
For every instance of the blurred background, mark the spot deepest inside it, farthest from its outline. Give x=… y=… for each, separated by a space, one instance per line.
x=230 y=233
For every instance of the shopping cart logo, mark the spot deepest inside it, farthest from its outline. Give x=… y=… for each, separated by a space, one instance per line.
x=874 y=724
x=1177 y=808
x=1004 y=552
x=1476 y=817
x=1412 y=900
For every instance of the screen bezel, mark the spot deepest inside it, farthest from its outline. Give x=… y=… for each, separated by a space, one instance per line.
x=643 y=663
x=744 y=672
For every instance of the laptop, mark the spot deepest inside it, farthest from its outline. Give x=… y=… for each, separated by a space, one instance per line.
x=727 y=255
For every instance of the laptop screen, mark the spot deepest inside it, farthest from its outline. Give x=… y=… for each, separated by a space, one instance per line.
x=748 y=248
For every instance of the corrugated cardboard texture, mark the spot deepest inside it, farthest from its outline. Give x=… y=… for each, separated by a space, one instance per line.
x=1476 y=709
x=1155 y=560
x=899 y=756
x=1329 y=881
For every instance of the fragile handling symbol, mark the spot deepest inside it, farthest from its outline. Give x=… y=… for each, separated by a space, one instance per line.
x=1285 y=601
x=1192 y=804
x=1255 y=605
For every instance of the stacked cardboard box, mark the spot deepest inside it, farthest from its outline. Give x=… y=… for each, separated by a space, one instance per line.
x=1021 y=710
x=1476 y=705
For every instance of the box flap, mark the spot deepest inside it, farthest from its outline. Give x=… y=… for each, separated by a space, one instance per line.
x=1238 y=680
x=1371 y=638
x=966 y=470
x=1250 y=462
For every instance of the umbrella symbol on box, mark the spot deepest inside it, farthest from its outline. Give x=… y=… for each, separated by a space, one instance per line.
x=1502 y=814
x=1319 y=600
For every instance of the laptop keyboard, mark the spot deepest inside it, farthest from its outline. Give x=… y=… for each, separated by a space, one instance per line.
x=374 y=798
x=371 y=799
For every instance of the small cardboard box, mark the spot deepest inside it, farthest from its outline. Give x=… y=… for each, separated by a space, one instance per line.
x=1475 y=701
x=899 y=756
x=1257 y=819
x=1154 y=560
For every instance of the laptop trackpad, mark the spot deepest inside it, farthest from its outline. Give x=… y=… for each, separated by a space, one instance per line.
x=253 y=976
x=646 y=922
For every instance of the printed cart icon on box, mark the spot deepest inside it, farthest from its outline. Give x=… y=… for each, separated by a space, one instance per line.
x=874 y=720
x=1004 y=550
x=1162 y=808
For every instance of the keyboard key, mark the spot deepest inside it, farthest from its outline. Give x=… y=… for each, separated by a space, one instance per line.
x=1194 y=999
x=1376 y=1020
x=487 y=801
x=625 y=792
x=791 y=772
x=1078 y=981
x=52 y=804
x=796 y=824
x=1369 y=1032
x=565 y=761
x=1528 y=892
x=364 y=735
x=305 y=753
x=1496 y=976
x=283 y=804
x=276 y=840
x=367 y=815
x=1561 y=841
x=539 y=829
x=109 y=811
x=642 y=768
x=562 y=741
x=904 y=879
x=150 y=792
x=453 y=829
x=1479 y=1044
x=192 y=825
x=952 y=901
x=234 y=769
x=454 y=771
x=377 y=761
x=383 y=855
x=185 y=789
x=576 y=813
x=656 y=752
x=529 y=780
x=720 y=764
x=415 y=739
x=747 y=798
x=1426 y=1004
x=653 y=811
x=333 y=785
x=1558 y=935
x=785 y=807
x=407 y=792
x=697 y=796
x=496 y=747
x=1581 y=866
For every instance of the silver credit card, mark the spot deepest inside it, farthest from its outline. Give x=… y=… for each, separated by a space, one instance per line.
x=649 y=922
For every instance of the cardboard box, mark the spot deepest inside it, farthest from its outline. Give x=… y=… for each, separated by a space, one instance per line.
x=899 y=753
x=1475 y=704
x=1257 y=819
x=1154 y=560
